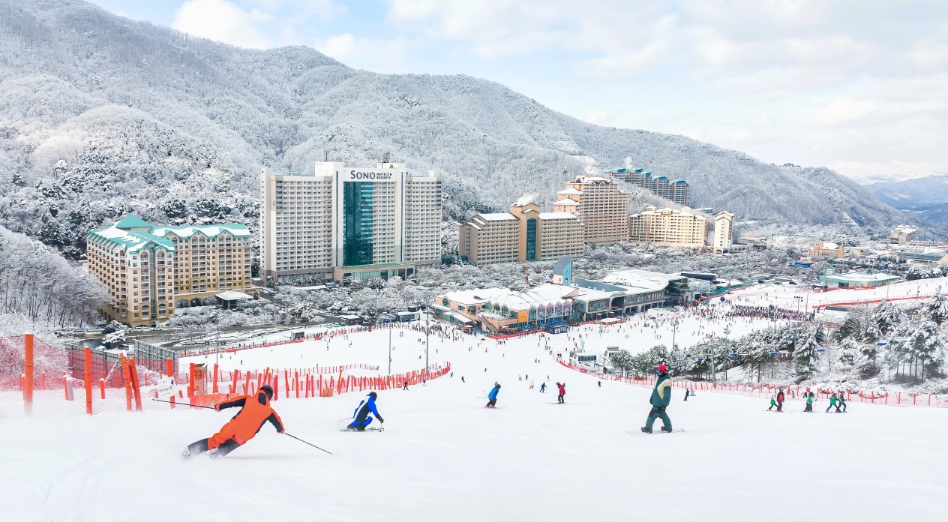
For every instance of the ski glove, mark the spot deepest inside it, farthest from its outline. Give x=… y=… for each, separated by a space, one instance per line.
x=381 y=420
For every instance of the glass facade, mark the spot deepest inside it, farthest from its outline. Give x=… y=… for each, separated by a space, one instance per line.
x=531 y=239
x=358 y=230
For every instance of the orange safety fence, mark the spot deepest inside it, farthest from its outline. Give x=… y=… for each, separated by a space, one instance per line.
x=765 y=390
x=35 y=377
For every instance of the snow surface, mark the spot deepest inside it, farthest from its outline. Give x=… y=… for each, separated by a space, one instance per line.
x=444 y=457
x=784 y=296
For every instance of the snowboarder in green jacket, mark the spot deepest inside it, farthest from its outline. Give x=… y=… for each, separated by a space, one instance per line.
x=809 y=403
x=661 y=396
x=773 y=402
x=832 y=404
x=841 y=402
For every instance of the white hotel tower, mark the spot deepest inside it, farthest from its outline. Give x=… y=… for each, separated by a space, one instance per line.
x=343 y=222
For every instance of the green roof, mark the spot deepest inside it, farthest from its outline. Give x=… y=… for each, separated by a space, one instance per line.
x=132 y=221
x=131 y=240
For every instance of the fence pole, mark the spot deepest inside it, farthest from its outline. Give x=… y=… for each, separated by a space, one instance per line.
x=102 y=387
x=88 y=358
x=214 y=389
x=127 y=377
x=169 y=369
x=191 y=381
x=135 y=386
x=28 y=378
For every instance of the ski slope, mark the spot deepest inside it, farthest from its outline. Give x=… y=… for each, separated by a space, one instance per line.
x=443 y=456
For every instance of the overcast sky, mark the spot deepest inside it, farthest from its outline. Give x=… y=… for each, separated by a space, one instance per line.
x=857 y=85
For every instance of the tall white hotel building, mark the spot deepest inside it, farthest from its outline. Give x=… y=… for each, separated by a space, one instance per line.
x=344 y=222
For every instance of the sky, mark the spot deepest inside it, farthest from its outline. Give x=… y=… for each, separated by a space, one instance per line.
x=860 y=86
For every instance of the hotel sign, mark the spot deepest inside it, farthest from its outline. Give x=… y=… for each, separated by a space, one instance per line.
x=371 y=175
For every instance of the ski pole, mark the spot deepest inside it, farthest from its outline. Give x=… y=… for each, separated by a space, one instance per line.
x=185 y=404
x=304 y=442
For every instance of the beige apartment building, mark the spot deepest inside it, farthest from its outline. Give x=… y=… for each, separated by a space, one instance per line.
x=723 y=232
x=668 y=227
x=600 y=205
x=149 y=271
x=523 y=234
x=345 y=223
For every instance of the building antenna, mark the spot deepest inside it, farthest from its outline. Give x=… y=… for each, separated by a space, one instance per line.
x=326 y=153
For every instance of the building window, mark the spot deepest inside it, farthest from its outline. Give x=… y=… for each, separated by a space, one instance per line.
x=531 y=239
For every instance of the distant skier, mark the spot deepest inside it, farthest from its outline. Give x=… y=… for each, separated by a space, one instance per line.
x=780 y=397
x=561 y=387
x=832 y=404
x=773 y=402
x=360 y=416
x=686 y=395
x=841 y=402
x=492 y=396
x=405 y=386
x=254 y=412
x=809 y=403
x=542 y=387
x=599 y=383
x=661 y=397
x=462 y=379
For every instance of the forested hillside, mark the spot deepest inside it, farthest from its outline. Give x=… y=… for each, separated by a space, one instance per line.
x=101 y=115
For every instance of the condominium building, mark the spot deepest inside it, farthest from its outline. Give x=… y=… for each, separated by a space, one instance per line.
x=600 y=205
x=668 y=227
x=723 y=232
x=149 y=271
x=677 y=191
x=523 y=234
x=345 y=223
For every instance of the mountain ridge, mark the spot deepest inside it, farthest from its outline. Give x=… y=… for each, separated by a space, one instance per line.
x=102 y=115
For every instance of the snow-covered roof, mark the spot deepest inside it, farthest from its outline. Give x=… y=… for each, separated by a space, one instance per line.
x=641 y=280
x=591 y=294
x=904 y=229
x=500 y=216
x=556 y=215
x=545 y=295
x=132 y=241
x=231 y=295
x=569 y=192
x=188 y=231
x=854 y=277
x=829 y=246
x=567 y=202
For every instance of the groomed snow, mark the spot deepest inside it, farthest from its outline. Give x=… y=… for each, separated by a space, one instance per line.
x=444 y=457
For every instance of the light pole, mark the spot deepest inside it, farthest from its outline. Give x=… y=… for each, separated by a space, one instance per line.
x=674 y=331
x=389 y=351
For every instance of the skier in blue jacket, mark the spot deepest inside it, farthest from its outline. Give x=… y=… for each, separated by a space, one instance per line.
x=361 y=417
x=492 y=396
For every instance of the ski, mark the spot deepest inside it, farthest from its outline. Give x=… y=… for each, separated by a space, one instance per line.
x=367 y=429
x=656 y=432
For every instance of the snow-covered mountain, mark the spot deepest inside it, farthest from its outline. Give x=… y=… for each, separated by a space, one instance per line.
x=101 y=115
x=913 y=194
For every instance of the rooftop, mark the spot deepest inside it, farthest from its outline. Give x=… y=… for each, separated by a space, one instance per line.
x=641 y=280
x=188 y=231
x=556 y=215
x=500 y=216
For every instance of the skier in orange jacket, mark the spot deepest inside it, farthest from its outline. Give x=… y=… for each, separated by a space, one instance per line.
x=254 y=412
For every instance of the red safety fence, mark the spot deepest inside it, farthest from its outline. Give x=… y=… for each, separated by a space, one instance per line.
x=765 y=390
x=299 y=383
x=67 y=377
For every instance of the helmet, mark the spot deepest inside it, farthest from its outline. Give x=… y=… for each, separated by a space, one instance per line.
x=268 y=390
x=373 y=395
x=661 y=369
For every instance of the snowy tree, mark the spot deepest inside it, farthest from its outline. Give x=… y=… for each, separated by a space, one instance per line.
x=936 y=308
x=621 y=360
